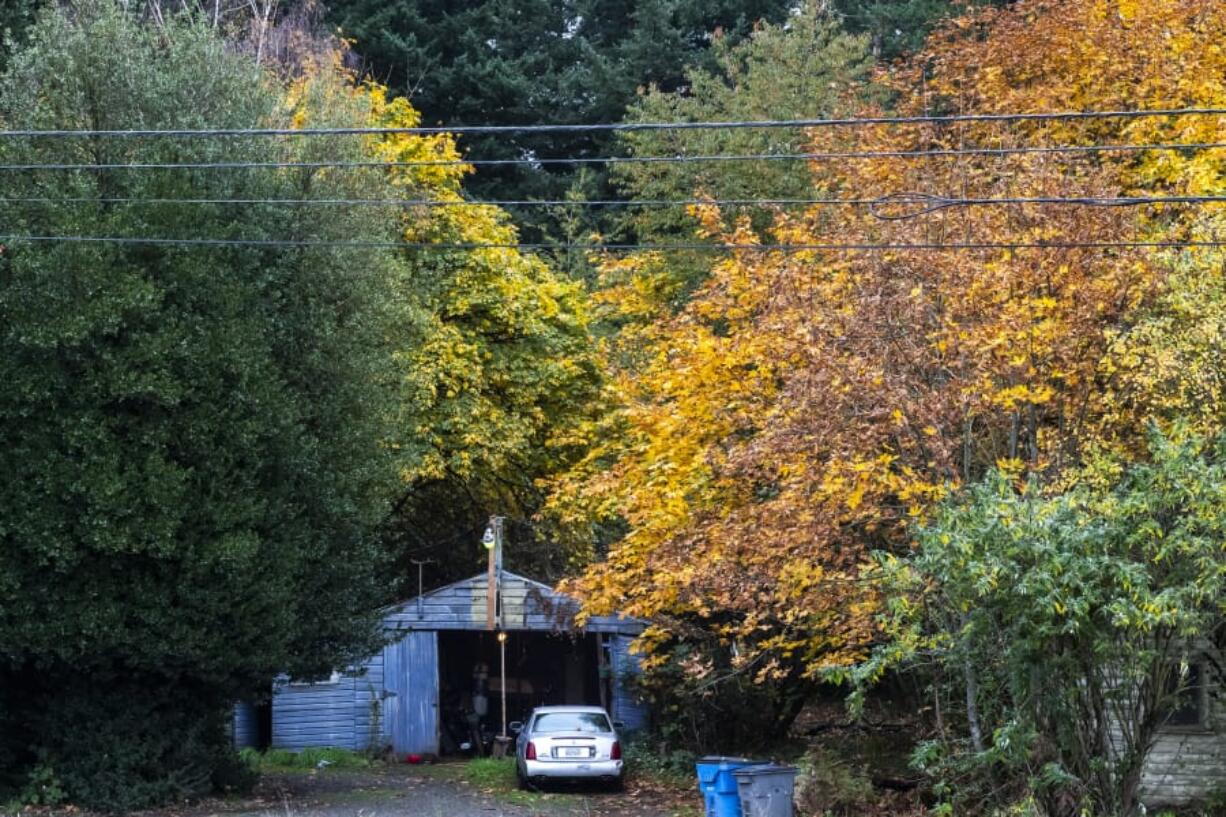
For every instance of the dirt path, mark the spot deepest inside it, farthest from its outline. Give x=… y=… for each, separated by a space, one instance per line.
x=431 y=792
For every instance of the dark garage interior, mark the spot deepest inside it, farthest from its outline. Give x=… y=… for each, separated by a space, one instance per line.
x=542 y=668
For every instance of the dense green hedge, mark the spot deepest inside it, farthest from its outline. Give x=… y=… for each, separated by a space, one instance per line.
x=192 y=439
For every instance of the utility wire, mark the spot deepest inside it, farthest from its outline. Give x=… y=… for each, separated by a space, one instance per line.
x=1002 y=151
x=623 y=126
x=591 y=247
x=443 y=202
x=925 y=202
x=583 y=160
x=929 y=203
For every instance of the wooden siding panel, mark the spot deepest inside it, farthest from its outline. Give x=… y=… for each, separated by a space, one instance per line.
x=627 y=707
x=313 y=715
x=353 y=706
x=1185 y=765
x=368 y=706
x=245 y=726
x=410 y=711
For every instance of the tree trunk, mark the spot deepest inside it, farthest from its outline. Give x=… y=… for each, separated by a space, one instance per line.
x=972 y=701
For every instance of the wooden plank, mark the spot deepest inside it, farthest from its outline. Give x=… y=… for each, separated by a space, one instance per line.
x=1183 y=766
x=411 y=680
x=245 y=726
x=317 y=715
x=627 y=707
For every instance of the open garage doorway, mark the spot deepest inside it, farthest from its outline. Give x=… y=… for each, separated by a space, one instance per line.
x=542 y=668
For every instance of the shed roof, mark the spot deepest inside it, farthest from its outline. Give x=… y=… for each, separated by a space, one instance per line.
x=526 y=605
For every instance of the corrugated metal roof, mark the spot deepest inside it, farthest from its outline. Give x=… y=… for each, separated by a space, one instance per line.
x=526 y=605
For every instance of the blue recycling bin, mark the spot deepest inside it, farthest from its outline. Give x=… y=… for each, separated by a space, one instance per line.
x=718 y=786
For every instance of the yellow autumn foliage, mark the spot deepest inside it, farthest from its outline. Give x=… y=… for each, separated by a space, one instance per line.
x=800 y=409
x=496 y=388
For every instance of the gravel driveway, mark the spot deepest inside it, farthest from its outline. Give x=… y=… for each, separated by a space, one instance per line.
x=434 y=792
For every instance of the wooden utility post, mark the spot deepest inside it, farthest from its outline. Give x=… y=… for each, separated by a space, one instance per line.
x=502 y=648
x=493 y=543
x=493 y=621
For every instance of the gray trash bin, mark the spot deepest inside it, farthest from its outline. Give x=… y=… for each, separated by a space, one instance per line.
x=766 y=791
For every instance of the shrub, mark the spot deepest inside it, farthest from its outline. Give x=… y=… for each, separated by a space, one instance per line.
x=233 y=774
x=43 y=788
x=119 y=745
x=1059 y=623
x=828 y=785
x=707 y=705
x=645 y=760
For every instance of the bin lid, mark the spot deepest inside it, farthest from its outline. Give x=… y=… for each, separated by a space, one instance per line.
x=720 y=760
x=765 y=768
x=712 y=766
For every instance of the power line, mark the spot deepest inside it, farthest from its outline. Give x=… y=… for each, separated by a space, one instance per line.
x=215 y=165
x=683 y=158
x=929 y=203
x=1002 y=151
x=590 y=247
x=622 y=126
x=440 y=202
x=926 y=202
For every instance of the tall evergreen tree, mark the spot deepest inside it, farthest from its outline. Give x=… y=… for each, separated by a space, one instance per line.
x=897 y=27
x=538 y=61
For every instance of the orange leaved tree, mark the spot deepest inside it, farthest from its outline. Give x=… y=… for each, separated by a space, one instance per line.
x=805 y=404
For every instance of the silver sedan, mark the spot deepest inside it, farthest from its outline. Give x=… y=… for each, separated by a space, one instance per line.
x=577 y=742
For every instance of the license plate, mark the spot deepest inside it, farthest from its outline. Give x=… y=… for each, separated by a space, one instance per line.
x=574 y=751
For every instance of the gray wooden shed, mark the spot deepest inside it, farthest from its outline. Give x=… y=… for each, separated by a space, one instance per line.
x=411 y=695
x=1187 y=761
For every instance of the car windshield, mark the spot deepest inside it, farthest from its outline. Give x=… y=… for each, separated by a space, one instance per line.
x=571 y=722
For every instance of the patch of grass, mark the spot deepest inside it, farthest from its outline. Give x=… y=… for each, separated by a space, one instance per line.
x=336 y=758
x=489 y=772
x=496 y=776
x=284 y=760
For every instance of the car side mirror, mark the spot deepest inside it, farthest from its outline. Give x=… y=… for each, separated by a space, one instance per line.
x=619 y=724
x=515 y=727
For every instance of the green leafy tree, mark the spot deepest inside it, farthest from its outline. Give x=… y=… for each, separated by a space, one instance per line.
x=801 y=69
x=492 y=396
x=193 y=438
x=15 y=18
x=1062 y=626
x=507 y=372
x=1167 y=365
